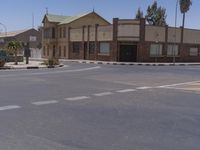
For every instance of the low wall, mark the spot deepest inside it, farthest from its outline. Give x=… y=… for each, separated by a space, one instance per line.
x=12 y=58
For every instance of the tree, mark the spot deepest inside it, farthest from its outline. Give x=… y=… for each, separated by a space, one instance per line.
x=156 y=15
x=139 y=14
x=184 y=8
x=14 y=46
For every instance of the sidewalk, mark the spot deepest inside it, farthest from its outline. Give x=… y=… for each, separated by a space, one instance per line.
x=130 y=63
x=23 y=65
x=123 y=63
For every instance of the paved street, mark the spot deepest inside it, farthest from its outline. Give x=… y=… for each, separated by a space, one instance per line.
x=100 y=107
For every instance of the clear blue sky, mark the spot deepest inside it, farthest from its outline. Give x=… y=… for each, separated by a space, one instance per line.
x=17 y=14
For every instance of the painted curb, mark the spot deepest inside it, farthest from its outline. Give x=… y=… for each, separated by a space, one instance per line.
x=30 y=67
x=133 y=64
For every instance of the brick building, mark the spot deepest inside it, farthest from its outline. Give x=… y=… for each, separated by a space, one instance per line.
x=89 y=36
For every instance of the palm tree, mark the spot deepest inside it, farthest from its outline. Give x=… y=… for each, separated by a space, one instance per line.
x=14 y=46
x=184 y=8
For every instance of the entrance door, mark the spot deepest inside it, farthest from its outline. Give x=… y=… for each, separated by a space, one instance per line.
x=128 y=53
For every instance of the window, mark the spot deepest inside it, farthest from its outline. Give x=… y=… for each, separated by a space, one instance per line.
x=76 y=47
x=104 y=48
x=60 y=32
x=156 y=50
x=64 y=51
x=46 y=33
x=44 y=51
x=172 y=50
x=64 y=32
x=60 y=50
x=54 y=51
x=47 y=50
x=53 y=33
x=32 y=38
x=194 y=51
x=91 y=47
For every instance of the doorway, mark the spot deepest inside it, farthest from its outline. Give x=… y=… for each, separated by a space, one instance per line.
x=128 y=53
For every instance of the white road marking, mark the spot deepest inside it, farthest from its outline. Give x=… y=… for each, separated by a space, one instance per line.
x=143 y=88
x=76 y=98
x=52 y=72
x=177 y=84
x=9 y=107
x=45 y=102
x=103 y=94
x=126 y=90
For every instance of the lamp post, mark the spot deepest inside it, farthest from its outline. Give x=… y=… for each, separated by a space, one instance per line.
x=176 y=12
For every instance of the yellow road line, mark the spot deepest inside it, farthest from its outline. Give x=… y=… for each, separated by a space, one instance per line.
x=195 y=84
x=191 y=89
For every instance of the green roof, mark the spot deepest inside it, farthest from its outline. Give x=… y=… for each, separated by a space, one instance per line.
x=66 y=19
x=63 y=19
x=56 y=18
x=72 y=18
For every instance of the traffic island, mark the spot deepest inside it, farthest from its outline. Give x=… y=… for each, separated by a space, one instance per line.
x=31 y=65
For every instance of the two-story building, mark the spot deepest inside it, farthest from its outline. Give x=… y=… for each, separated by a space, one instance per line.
x=58 y=36
x=90 y=36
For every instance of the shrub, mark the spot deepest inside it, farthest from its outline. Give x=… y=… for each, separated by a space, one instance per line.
x=45 y=62
x=2 y=63
x=51 y=62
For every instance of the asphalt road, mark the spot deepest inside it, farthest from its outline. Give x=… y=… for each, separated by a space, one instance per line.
x=100 y=107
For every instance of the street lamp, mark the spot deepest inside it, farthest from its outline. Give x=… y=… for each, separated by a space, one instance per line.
x=176 y=12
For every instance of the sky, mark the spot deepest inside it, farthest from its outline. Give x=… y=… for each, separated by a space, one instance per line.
x=17 y=14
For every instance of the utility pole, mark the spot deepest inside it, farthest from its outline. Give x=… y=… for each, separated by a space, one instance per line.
x=47 y=11
x=33 y=21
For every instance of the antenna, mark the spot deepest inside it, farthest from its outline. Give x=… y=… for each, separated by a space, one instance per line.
x=93 y=9
x=47 y=11
x=33 y=20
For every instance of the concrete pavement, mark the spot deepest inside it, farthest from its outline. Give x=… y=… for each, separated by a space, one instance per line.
x=88 y=106
x=36 y=64
x=23 y=65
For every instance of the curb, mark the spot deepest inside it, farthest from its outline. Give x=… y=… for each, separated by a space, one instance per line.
x=133 y=64
x=30 y=67
x=5 y=68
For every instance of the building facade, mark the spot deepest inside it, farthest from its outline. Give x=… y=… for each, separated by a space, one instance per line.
x=91 y=37
x=29 y=36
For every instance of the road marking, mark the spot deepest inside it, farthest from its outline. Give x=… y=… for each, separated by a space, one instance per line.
x=126 y=90
x=191 y=89
x=103 y=94
x=177 y=84
x=45 y=102
x=143 y=88
x=195 y=84
x=76 y=98
x=9 y=107
x=52 y=72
